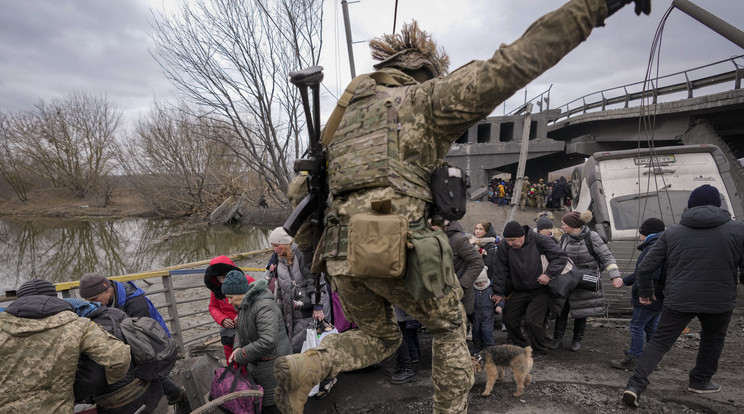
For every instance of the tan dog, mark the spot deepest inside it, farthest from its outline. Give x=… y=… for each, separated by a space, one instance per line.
x=495 y=359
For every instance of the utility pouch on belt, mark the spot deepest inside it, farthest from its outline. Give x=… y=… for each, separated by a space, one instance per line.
x=377 y=245
x=430 y=273
x=449 y=185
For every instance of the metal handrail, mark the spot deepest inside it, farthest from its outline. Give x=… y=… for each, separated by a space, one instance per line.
x=167 y=276
x=625 y=97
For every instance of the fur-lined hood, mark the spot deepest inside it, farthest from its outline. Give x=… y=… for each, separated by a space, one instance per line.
x=219 y=266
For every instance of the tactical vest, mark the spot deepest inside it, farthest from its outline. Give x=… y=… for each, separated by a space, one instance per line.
x=364 y=151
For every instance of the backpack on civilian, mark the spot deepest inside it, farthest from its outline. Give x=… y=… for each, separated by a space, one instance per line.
x=154 y=353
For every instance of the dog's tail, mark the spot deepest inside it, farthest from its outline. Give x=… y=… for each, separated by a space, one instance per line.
x=528 y=351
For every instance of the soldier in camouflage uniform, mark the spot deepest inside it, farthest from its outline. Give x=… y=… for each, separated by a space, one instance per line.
x=540 y=191
x=428 y=113
x=41 y=339
x=525 y=192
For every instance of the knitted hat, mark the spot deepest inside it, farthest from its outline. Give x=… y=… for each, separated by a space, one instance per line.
x=235 y=283
x=703 y=196
x=279 y=236
x=513 y=229
x=483 y=277
x=92 y=284
x=651 y=226
x=36 y=287
x=544 y=223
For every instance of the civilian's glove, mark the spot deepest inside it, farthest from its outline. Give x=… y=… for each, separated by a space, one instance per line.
x=640 y=6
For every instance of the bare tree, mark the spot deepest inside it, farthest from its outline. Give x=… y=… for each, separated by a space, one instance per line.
x=69 y=141
x=12 y=167
x=176 y=161
x=232 y=59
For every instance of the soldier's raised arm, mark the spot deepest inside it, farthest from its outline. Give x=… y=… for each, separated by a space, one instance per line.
x=476 y=89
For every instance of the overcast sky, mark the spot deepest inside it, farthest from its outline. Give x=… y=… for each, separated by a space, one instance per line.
x=49 y=48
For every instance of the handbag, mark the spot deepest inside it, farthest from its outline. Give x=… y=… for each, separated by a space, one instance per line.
x=229 y=380
x=562 y=285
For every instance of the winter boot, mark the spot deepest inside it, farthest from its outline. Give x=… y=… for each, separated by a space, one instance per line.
x=579 y=328
x=394 y=370
x=627 y=363
x=181 y=404
x=560 y=328
x=296 y=375
x=406 y=374
x=557 y=343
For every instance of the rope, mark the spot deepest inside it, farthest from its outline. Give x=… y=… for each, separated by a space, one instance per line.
x=225 y=398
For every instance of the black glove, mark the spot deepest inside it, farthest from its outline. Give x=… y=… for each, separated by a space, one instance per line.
x=640 y=6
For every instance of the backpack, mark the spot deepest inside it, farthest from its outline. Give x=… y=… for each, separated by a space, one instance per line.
x=154 y=353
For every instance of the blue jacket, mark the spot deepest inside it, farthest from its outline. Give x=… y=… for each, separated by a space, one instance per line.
x=133 y=302
x=659 y=275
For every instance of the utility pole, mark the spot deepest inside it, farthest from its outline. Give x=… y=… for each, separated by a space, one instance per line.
x=517 y=190
x=347 y=29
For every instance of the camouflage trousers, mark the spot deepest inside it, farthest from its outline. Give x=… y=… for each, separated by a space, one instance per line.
x=367 y=301
x=540 y=200
x=523 y=197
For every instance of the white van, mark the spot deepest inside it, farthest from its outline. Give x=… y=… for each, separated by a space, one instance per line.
x=623 y=188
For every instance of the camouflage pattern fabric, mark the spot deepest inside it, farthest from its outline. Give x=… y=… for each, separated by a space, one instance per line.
x=39 y=357
x=367 y=303
x=431 y=117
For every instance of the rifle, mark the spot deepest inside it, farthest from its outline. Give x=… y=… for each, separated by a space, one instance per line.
x=314 y=204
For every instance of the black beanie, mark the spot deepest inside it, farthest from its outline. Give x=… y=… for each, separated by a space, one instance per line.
x=703 y=196
x=513 y=229
x=92 y=284
x=36 y=287
x=651 y=226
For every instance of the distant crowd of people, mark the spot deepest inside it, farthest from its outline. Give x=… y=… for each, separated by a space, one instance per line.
x=551 y=196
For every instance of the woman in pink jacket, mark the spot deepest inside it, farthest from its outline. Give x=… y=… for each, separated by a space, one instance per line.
x=222 y=311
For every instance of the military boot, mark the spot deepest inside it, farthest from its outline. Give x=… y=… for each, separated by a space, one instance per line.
x=296 y=375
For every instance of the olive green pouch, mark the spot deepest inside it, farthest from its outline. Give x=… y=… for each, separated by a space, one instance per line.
x=430 y=273
x=377 y=245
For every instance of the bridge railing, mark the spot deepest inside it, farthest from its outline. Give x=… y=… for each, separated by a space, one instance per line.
x=181 y=292
x=676 y=82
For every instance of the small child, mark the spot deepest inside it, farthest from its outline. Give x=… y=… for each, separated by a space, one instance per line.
x=482 y=313
x=645 y=317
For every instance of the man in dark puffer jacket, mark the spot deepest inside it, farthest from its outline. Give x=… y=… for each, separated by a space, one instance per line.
x=703 y=254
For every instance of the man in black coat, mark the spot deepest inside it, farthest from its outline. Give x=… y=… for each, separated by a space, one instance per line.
x=518 y=265
x=703 y=255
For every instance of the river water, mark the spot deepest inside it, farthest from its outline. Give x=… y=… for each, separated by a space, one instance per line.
x=61 y=250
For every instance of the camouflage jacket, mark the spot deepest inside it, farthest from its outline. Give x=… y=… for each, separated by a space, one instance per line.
x=41 y=340
x=435 y=113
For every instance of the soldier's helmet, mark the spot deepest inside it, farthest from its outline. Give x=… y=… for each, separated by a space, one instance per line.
x=412 y=51
x=526 y=178
x=540 y=180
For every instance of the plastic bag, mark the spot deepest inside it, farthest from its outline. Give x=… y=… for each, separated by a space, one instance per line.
x=312 y=339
